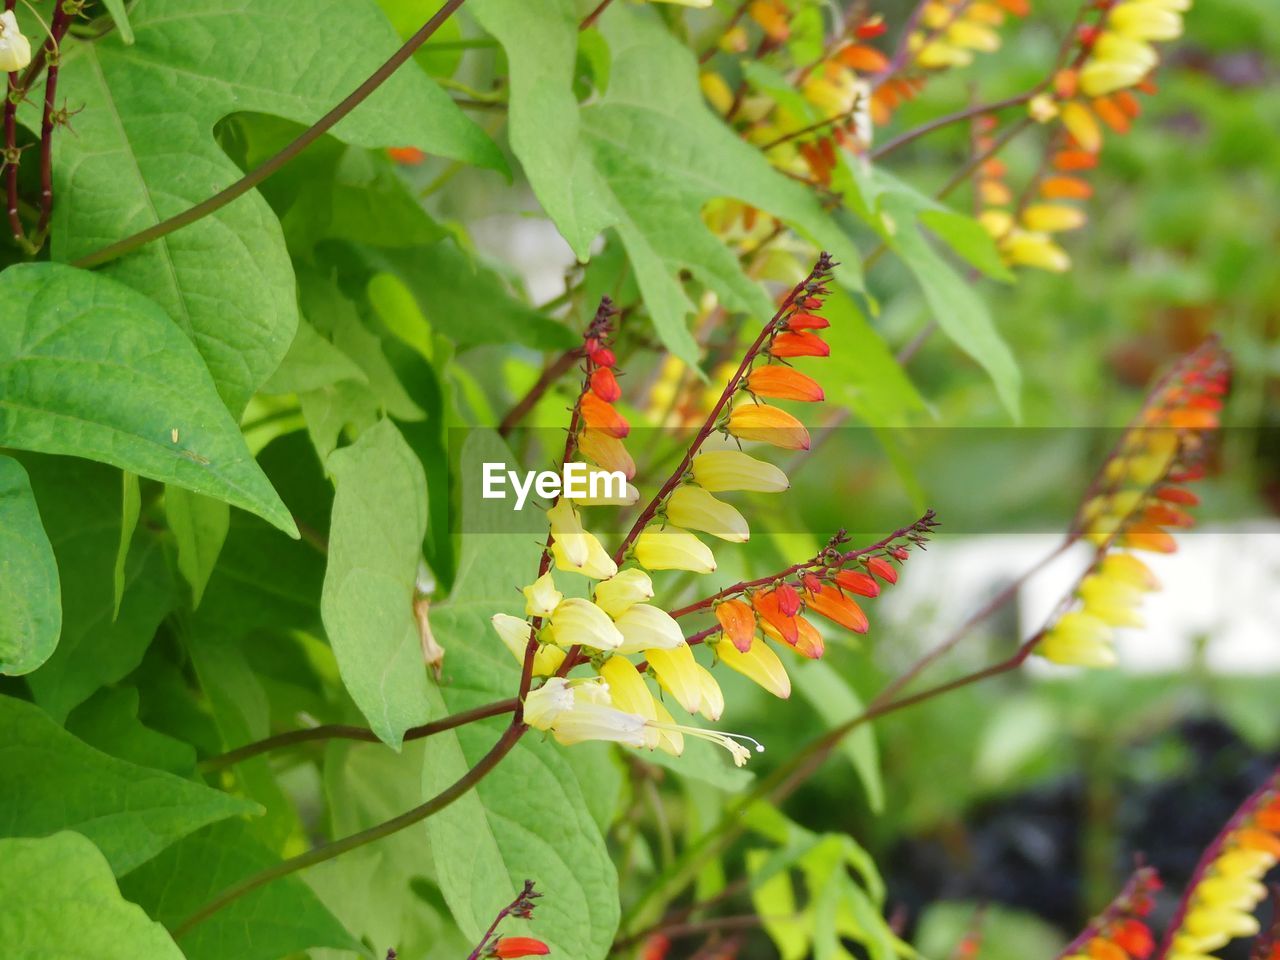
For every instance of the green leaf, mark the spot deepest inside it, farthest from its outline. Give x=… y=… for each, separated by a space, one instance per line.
x=130 y=507
x=79 y=500
x=960 y=311
x=30 y=597
x=277 y=920
x=60 y=900
x=120 y=17
x=108 y=721
x=528 y=819
x=225 y=280
x=90 y=368
x=968 y=239
x=836 y=702
x=51 y=781
x=200 y=527
x=644 y=159
x=311 y=363
x=375 y=546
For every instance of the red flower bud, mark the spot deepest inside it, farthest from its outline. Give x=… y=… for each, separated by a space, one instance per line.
x=883 y=569
x=605 y=385
x=768 y=607
x=519 y=947
x=855 y=581
x=807 y=321
x=801 y=344
x=788 y=600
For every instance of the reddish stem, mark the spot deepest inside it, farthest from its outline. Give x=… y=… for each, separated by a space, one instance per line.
x=61 y=20
x=11 y=147
x=820 y=269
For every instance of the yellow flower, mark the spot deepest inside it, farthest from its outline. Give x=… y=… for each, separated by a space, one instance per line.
x=677 y=671
x=768 y=424
x=1116 y=62
x=693 y=507
x=1042 y=108
x=759 y=664
x=630 y=694
x=515 y=635
x=1052 y=218
x=579 y=710
x=1079 y=639
x=716 y=91
x=15 y=49
x=1111 y=601
x=724 y=470
x=623 y=589
x=541 y=596
x=597 y=564
x=646 y=627
x=712 y=697
x=578 y=621
x=1083 y=125
x=673 y=549
x=568 y=532
x=1126 y=568
x=1029 y=249
x=973 y=36
x=1145 y=21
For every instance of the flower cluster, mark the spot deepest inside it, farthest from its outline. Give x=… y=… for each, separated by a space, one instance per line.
x=617 y=621
x=1140 y=492
x=1114 y=57
x=1227 y=886
x=1121 y=932
x=952 y=31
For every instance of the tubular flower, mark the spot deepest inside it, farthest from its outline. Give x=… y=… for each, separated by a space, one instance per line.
x=758 y=663
x=808 y=641
x=1122 y=54
x=855 y=581
x=784 y=383
x=507 y=947
x=630 y=694
x=645 y=627
x=737 y=622
x=759 y=421
x=597 y=564
x=621 y=591
x=581 y=622
x=15 y=48
x=671 y=548
x=1137 y=496
x=725 y=470
x=541 y=597
x=1227 y=887
x=952 y=31
x=693 y=507
x=515 y=634
x=1121 y=932
x=606 y=452
x=799 y=343
x=599 y=415
x=835 y=606
x=768 y=605
x=677 y=671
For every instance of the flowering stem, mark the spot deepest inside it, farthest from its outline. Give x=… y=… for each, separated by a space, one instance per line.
x=553 y=372
x=1211 y=853
x=968 y=113
x=336 y=731
x=820 y=269
x=820 y=560
x=1142 y=878
x=983 y=613
x=522 y=902
x=328 y=851
x=262 y=172
x=13 y=94
x=61 y=20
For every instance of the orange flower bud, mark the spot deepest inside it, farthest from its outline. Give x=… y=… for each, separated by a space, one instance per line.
x=863 y=58
x=603 y=417
x=1250 y=839
x=519 y=947
x=1065 y=83
x=855 y=581
x=836 y=607
x=1102 y=949
x=738 y=623
x=409 y=156
x=1074 y=160
x=783 y=383
x=605 y=385
x=883 y=569
x=801 y=344
x=759 y=421
x=769 y=606
x=1065 y=188
x=1111 y=114
x=809 y=641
